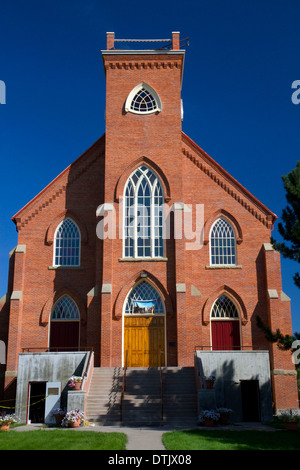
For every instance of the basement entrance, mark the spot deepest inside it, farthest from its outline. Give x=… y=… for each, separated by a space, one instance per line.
x=250 y=400
x=37 y=398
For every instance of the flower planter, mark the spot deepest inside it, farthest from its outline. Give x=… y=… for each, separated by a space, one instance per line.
x=75 y=382
x=76 y=424
x=4 y=427
x=209 y=422
x=291 y=425
x=73 y=419
x=58 y=419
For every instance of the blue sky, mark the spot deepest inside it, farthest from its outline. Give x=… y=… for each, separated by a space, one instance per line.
x=242 y=59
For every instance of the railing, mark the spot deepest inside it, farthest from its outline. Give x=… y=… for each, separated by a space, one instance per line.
x=123 y=386
x=56 y=349
x=161 y=386
x=228 y=348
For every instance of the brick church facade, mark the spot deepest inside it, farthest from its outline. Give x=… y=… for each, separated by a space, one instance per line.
x=137 y=295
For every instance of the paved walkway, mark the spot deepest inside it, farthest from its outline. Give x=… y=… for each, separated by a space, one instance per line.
x=150 y=438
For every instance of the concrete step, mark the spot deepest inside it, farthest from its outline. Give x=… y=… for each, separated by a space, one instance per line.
x=142 y=401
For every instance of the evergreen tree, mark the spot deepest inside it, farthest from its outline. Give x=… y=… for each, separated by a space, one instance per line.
x=289 y=229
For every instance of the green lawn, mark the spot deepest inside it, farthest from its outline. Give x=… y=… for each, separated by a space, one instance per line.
x=231 y=440
x=62 y=439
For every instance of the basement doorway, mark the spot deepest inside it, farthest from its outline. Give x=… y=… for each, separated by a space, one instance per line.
x=250 y=400
x=37 y=399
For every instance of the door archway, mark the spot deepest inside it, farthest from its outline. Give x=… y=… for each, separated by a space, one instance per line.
x=64 y=325
x=225 y=325
x=144 y=327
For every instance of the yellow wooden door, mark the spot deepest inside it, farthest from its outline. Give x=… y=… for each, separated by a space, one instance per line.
x=144 y=339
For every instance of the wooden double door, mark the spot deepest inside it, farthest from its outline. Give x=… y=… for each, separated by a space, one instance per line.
x=144 y=340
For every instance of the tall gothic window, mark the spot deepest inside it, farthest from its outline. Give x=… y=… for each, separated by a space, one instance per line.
x=67 y=244
x=143 y=215
x=222 y=243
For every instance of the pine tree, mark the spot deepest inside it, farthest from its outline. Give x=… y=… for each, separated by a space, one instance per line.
x=289 y=229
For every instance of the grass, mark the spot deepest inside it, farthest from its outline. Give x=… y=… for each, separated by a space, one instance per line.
x=62 y=439
x=197 y=439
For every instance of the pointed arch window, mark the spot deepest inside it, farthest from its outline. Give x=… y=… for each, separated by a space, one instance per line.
x=224 y=308
x=143 y=99
x=222 y=243
x=65 y=309
x=67 y=244
x=143 y=217
x=144 y=299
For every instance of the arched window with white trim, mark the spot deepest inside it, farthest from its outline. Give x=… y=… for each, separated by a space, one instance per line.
x=225 y=324
x=143 y=215
x=143 y=99
x=222 y=243
x=144 y=299
x=67 y=244
x=65 y=309
x=64 y=325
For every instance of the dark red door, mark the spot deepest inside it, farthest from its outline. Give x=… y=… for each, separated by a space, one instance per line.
x=64 y=335
x=225 y=335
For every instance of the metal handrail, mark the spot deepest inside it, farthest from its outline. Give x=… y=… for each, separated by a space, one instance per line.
x=123 y=386
x=161 y=386
x=57 y=349
x=230 y=348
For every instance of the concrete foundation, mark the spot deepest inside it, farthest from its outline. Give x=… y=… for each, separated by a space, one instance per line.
x=237 y=371
x=48 y=367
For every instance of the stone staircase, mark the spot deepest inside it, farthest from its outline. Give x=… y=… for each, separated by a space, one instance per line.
x=103 y=399
x=180 y=396
x=142 y=400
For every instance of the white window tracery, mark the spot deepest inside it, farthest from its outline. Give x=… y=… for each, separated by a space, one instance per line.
x=224 y=308
x=65 y=309
x=144 y=299
x=143 y=215
x=222 y=243
x=67 y=244
x=143 y=99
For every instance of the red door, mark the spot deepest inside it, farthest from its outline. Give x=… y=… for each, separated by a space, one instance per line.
x=225 y=335
x=64 y=335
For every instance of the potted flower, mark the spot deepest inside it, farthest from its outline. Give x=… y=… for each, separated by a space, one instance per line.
x=58 y=414
x=6 y=421
x=209 y=417
x=290 y=419
x=224 y=415
x=73 y=419
x=75 y=382
x=209 y=381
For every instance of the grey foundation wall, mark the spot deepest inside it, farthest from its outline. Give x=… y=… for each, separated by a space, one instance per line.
x=46 y=367
x=230 y=369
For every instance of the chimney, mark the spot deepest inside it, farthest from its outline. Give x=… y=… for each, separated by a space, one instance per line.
x=110 y=41
x=176 y=40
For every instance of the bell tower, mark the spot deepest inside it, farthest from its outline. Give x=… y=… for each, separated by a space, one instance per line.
x=143 y=118
x=143 y=104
